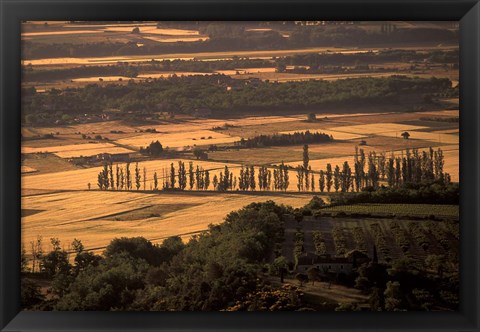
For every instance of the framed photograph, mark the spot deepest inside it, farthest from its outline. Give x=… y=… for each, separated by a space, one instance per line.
x=239 y=165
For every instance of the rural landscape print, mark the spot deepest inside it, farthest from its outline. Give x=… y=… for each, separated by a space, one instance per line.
x=240 y=166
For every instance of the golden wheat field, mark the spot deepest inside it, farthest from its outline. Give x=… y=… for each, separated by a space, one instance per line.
x=246 y=71
x=91 y=215
x=27 y=169
x=375 y=128
x=51 y=33
x=179 y=139
x=438 y=138
x=45 y=149
x=168 y=39
x=170 y=74
x=447 y=131
x=101 y=78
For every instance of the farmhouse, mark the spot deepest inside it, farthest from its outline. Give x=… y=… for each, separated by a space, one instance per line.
x=324 y=263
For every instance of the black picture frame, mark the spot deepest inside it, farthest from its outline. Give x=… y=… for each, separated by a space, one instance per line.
x=14 y=11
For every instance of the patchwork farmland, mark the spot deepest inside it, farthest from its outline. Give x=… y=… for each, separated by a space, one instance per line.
x=207 y=166
x=70 y=187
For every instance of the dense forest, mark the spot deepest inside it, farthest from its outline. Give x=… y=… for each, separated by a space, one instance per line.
x=187 y=94
x=229 y=37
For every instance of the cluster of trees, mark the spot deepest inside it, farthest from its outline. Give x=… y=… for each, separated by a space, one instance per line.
x=186 y=94
x=368 y=172
x=409 y=284
x=123 y=179
x=286 y=139
x=153 y=149
x=221 y=268
x=120 y=177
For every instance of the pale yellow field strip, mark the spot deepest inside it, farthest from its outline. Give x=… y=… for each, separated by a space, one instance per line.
x=91 y=152
x=377 y=128
x=103 y=78
x=184 y=56
x=444 y=112
x=171 y=73
x=214 y=55
x=429 y=136
x=66 y=215
x=206 y=124
x=154 y=30
x=54 y=33
x=62 y=148
x=447 y=131
x=133 y=25
x=180 y=139
x=292 y=77
x=336 y=134
x=26 y=169
x=77 y=150
x=175 y=39
x=244 y=71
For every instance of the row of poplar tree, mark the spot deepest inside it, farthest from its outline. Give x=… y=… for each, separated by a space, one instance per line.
x=120 y=177
x=369 y=170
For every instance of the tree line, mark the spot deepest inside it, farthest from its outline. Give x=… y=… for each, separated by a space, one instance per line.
x=186 y=94
x=373 y=170
x=286 y=139
x=370 y=172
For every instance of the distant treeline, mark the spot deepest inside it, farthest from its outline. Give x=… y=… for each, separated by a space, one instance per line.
x=314 y=61
x=224 y=37
x=318 y=60
x=188 y=94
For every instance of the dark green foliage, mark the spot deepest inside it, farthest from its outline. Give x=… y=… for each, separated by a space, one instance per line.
x=186 y=94
x=140 y=248
x=433 y=193
x=30 y=294
x=109 y=286
x=215 y=269
x=286 y=139
x=153 y=149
